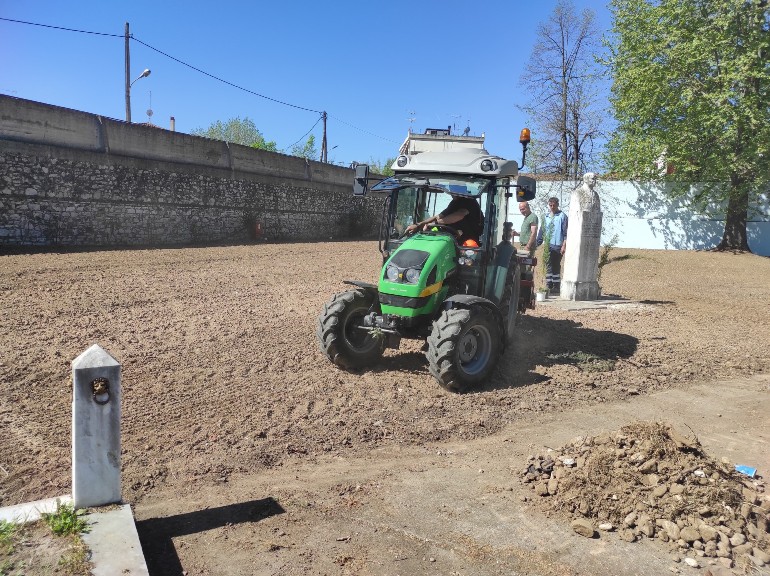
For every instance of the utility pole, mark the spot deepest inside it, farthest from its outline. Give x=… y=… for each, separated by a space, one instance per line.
x=128 y=79
x=323 y=142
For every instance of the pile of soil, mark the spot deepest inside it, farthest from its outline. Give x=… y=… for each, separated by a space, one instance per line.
x=649 y=480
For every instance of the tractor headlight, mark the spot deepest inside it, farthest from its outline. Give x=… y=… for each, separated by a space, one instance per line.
x=412 y=275
x=401 y=162
x=487 y=165
x=392 y=273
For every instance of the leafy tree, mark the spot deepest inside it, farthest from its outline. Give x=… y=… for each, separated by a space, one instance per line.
x=561 y=79
x=237 y=131
x=380 y=167
x=691 y=94
x=307 y=151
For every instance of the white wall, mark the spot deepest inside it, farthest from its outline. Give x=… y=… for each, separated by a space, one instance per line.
x=643 y=216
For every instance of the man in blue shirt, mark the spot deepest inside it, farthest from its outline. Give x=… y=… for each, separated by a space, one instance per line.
x=555 y=229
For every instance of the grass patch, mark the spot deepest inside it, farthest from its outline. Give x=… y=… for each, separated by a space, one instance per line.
x=50 y=545
x=33 y=549
x=8 y=531
x=75 y=562
x=583 y=360
x=66 y=520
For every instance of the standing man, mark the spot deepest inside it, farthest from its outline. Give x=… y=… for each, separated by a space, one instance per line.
x=528 y=233
x=555 y=230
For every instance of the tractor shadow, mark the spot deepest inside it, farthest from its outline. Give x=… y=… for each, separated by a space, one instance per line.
x=542 y=341
x=539 y=341
x=156 y=534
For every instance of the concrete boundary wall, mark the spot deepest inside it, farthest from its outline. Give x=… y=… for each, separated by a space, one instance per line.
x=69 y=178
x=644 y=216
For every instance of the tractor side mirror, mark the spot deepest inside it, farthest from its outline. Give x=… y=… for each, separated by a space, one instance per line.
x=361 y=183
x=525 y=188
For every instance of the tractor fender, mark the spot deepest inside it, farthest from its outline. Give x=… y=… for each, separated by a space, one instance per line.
x=468 y=300
x=365 y=286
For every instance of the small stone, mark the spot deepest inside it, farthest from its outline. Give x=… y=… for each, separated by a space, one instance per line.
x=676 y=489
x=737 y=539
x=630 y=520
x=553 y=486
x=648 y=467
x=746 y=509
x=707 y=533
x=606 y=526
x=762 y=555
x=431 y=559
x=583 y=527
x=692 y=562
x=756 y=561
x=659 y=491
x=689 y=534
x=541 y=489
x=742 y=549
x=647 y=528
x=669 y=527
x=627 y=535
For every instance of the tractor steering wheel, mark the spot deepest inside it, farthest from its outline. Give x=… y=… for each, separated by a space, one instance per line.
x=444 y=228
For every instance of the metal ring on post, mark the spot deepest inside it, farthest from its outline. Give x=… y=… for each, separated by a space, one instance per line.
x=100 y=387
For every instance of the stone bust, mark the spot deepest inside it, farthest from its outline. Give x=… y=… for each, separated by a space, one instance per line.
x=584 y=196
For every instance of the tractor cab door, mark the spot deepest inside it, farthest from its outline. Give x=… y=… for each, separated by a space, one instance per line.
x=405 y=206
x=502 y=249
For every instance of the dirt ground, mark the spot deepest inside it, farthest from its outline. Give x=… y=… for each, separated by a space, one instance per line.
x=241 y=442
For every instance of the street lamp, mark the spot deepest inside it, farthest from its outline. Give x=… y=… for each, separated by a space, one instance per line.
x=128 y=93
x=142 y=75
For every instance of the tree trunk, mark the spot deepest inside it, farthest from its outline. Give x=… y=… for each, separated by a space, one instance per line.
x=734 y=236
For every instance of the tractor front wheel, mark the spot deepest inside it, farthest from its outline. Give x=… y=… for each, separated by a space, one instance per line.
x=463 y=347
x=341 y=335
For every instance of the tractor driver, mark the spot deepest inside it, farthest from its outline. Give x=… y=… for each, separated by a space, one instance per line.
x=463 y=214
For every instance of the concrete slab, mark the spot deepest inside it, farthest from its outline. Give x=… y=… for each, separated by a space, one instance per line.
x=31 y=511
x=603 y=303
x=114 y=543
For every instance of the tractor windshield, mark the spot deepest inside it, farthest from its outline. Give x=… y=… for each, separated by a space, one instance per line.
x=419 y=196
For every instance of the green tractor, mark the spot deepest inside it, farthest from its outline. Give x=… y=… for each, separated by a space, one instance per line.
x=463 y=296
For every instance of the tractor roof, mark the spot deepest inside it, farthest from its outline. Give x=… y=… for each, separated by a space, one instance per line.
x=461 y=161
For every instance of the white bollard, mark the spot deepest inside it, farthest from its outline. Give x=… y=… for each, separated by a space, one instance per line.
x=95 y=429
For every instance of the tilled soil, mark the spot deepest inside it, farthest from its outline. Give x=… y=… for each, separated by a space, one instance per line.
x=222 y=372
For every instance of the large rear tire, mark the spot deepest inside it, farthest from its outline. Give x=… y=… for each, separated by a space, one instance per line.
x=464 y=347
x=341 y=336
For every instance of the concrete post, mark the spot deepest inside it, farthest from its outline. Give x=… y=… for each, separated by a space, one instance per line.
x=95 y=429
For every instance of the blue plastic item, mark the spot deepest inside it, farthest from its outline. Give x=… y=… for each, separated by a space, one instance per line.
x=747 y=470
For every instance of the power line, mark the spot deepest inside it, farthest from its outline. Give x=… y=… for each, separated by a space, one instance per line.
x=221 y=80
x=364 y=131
x=132 y=37
x=306 y=133
x=62 y=28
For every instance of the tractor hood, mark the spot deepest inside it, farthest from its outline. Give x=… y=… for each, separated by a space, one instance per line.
x=415 y=274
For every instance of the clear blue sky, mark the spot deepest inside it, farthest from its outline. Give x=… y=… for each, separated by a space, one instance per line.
x=370 y=65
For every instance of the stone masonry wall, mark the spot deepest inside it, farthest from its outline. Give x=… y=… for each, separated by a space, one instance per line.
x=73 y=179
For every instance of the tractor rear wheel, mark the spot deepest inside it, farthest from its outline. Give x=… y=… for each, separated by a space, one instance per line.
x=341 y=335
x=463 y=347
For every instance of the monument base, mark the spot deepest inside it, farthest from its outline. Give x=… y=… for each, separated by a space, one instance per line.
x=579 y=290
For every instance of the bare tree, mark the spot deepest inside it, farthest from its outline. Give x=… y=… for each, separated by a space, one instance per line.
x=560 y=77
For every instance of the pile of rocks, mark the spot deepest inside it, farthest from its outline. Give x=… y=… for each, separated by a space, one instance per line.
x=648 y=480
